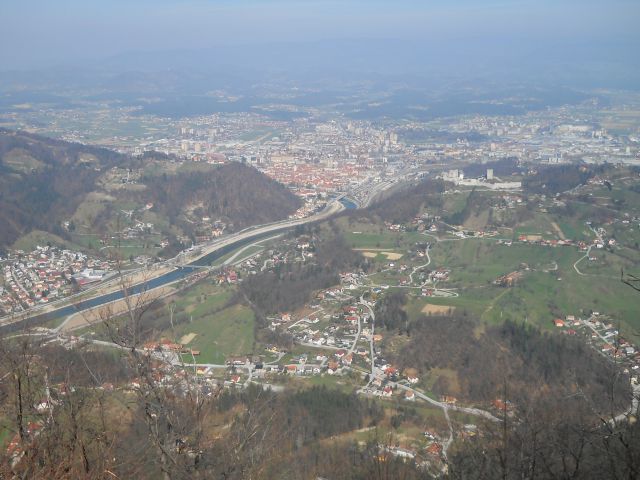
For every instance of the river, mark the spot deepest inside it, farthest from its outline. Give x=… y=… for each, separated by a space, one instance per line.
x=167 y=278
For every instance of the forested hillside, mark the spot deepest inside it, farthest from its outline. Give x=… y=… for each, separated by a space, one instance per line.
x=512 y=357
x=401 y=206
x=556 y=179
x=234 y=192
x=44 y=182
x=290 y=286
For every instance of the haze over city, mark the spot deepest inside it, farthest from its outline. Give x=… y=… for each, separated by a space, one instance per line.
x=304 y=239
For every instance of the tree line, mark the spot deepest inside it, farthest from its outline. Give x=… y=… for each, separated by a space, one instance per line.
x=291 y=285
x=520 y=354
x=234 y=193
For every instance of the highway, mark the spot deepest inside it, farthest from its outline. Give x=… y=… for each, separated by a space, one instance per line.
x=185 y=263
x=250 y=233
x=182 y=265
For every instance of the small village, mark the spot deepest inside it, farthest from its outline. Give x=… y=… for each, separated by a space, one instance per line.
x=334 y=338
x=46 y=274
x=599 y=331
x=325 y=241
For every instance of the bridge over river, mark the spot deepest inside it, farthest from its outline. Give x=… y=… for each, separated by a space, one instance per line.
x=206 y=256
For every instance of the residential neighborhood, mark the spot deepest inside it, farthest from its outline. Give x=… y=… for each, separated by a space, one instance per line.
x=46 y=274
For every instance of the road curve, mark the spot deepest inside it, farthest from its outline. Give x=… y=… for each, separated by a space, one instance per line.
x=155 y=280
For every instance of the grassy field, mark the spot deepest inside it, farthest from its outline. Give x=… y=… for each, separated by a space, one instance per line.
x=246 y=253
x=370 y=236
x=540 y=224
x=29 y=241
x=574 y=229
x=226 y=333
x=474 y=302
x=87 y=241
x=217 y=330
x=455 y=202
x=477 y=262
x=387 y=240
x=550 y=286
x=331 y=381
x=202 y=299
x=132 y=248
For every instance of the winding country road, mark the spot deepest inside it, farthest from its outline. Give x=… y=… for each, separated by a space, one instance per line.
x=444 y=406
x=372 y=316
x=575 y=265
x=420 y=267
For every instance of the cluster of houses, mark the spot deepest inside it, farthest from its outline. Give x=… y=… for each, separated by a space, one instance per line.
x=45 y=274
x=601 y=333
x=429 y=451
x=310 y=179
x=163 y=345
x=503 y=406
x=539 y=240
x=535 y=239
x=425 y=454
x=348 y=280
x=599 y=242
x=440 y=274
x=137 y=230
x=335 y=331
x=333 y=338
x=508 y=201
x=227 y=275
x=508 y=280
x=433 y=223
x=250 y=266
x=395 y=227
x=466 y=233
x=312 y=204
x=425 y=222
x=16 y=448
x=207 y=229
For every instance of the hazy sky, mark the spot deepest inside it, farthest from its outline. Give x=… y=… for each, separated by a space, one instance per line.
x=36 y=33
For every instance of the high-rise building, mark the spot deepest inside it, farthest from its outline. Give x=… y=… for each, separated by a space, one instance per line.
x=489 y=173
